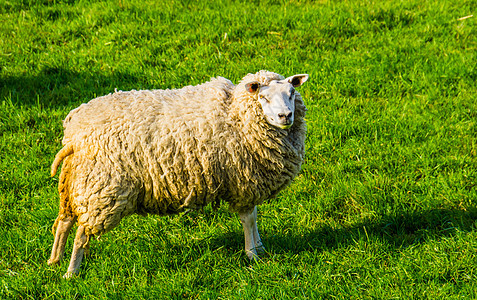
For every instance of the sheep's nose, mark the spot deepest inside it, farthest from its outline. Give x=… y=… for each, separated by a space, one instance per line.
x=285 y=116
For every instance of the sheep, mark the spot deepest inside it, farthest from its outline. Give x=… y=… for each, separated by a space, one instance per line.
x=166 y=151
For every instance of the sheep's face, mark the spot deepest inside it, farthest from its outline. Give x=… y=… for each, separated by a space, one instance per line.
x=278 y=99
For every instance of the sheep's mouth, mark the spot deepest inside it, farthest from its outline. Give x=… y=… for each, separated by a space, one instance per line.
x=285 y=126
x=282 y=125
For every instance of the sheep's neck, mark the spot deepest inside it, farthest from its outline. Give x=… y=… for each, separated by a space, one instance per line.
x=262 y=154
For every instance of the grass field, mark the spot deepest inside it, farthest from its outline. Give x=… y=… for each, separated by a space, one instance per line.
x=384 y=208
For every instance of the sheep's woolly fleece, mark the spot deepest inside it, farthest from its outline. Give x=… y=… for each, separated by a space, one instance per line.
x=162 y=151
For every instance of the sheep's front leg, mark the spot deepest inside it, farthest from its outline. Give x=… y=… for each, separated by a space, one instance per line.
x=80 y=245
x=253 y=243
x=256 y=236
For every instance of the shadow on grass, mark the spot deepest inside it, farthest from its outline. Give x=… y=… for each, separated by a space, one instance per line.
x=399 y=231
x=56 y=87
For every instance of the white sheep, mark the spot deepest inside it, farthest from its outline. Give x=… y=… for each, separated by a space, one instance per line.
x=164 y=151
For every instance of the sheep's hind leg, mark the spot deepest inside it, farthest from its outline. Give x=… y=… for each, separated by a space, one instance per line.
x=62 y=229
x=80 y=245
x=252 y=238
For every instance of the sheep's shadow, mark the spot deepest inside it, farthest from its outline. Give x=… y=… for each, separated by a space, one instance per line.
x=56 y=86
x=401 y=230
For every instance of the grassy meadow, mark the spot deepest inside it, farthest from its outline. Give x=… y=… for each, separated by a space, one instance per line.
x=385 y=206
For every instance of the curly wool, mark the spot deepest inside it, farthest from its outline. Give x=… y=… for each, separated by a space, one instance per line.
x=162 y=151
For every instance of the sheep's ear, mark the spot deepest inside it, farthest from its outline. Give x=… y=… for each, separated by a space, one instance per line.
x=252 y=87
x=297 y=80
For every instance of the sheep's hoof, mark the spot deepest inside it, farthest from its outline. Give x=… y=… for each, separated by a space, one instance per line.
x=260 y=249
x=252 y=256
x=54 y=261
x=69 y=275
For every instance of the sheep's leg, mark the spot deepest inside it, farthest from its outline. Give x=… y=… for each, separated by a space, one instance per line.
x=249 y=223
x=63 y=226
x=256 y=236
x=81 y=243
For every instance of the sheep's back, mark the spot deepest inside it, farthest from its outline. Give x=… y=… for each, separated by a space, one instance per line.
x=158 y=149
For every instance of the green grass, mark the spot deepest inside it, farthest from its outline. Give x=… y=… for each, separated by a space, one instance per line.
x=386 y=204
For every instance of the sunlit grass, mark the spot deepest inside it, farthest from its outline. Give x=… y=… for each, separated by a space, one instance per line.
x=384 y=208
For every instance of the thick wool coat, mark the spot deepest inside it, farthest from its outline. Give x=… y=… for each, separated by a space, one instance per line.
x=163 y=151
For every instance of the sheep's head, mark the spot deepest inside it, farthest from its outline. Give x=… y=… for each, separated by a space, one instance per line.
x=277 y=99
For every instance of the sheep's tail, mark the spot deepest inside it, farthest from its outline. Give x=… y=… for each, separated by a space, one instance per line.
x=62 y=154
